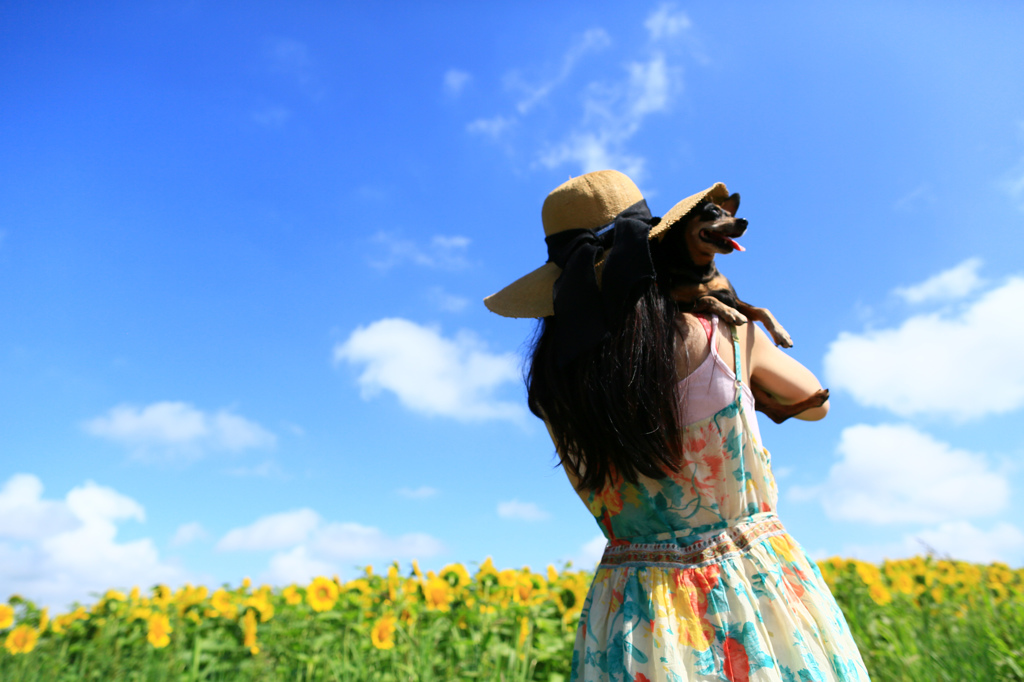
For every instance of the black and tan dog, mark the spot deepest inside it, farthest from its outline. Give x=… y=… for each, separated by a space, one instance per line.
x=686 y=257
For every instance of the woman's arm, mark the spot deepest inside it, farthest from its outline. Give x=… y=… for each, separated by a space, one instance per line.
x=779 y=374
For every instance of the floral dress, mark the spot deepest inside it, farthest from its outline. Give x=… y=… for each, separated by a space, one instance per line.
x=700 y=580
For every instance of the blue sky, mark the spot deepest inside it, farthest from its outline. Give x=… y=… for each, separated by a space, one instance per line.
x=244 y=246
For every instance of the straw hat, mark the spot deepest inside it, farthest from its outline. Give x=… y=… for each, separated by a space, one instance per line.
x=590 y=201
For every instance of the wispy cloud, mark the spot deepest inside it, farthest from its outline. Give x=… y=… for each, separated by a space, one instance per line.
x=614 y=107
x=613 y=113
x=275 y=531
x=956 y=539
x=667 y=22
x=932 y=364
x=919 y=196
x=292 y=59
x=1013 y=181
x=593 y=40
x=588 y=556
x=455 y=80
x=429 y=373
x=271 y=117
x=443 y=252
x=446 y=302
x=58 y=551
x=870 y=482
x=306 y=545
x=521 y=511
x=949 y=285
x=492 y=127
x=422 y=493
x=177 y=429
x=187 y=533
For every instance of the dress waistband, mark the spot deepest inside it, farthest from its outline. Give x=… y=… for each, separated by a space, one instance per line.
x=716 y=546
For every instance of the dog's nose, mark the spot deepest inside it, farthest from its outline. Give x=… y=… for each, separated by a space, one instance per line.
x=741 y=223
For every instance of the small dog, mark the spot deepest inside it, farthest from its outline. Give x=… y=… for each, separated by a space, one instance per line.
x=686 y=256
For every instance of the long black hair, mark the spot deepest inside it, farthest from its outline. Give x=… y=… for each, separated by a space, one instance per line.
x=613 y=410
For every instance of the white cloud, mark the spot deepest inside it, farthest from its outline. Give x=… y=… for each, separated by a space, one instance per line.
x=63 y=550
x=421 y=493
x=955 y=283
x=309 y=546
x=920 y=196
x=25 y=515
x=892 y=473
x=614 y=112
x=1013 y=181
x=614 y=107
x=356 y=542
x=955 y=540
x=265 y=469
x=275 y=531
x=938 y=364
x=271 y=117
x=593 y=40
x=490 y=127
x=429 y=373
x=665 y=22
x=187 y=533
x=178 y=428
x=522 y=511
x=442 y=252
x=296 y=566
x=446 y=302
x=292 y=59
x=590 y=553
x=455 y=81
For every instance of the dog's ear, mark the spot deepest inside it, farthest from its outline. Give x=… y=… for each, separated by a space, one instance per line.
x=731 y=205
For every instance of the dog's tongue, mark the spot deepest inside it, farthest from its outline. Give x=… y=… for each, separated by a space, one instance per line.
x=734 y=244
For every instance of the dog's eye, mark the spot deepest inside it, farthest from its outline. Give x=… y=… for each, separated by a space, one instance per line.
x=710 y=211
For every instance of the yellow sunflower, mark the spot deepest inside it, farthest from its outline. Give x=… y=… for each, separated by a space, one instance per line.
x=438 y=594
x=383 y=633
x=291 y=595
x=456 y=575
x=879 y=594
x=321 y=594
x=6 y=616
x=249 y=632
x=160 y=630
x=223 y=604
x=21 y=639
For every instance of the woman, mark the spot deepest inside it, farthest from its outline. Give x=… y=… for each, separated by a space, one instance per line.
x=652 y=416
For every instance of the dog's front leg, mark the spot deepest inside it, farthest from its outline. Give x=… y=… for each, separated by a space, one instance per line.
x=764 y=316
x=710 y=304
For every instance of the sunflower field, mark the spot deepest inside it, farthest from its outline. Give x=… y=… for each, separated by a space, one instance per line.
x=915 y=619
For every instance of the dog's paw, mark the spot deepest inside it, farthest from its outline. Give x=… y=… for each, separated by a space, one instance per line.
x=782 y=338
x=734 y=317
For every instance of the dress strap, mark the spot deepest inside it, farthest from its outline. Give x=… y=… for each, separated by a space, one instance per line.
x=736 y=354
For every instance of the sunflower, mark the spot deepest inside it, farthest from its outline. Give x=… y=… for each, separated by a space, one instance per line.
x=21 y=639
x=383 y=633
x=260 y=600
x=291 y=595
x=321 y=594
x=438 y=594
x=6 y=616
x=160 y=630
x=224 y=606
x=879 y=594
x=456 y=575
x=249 y=631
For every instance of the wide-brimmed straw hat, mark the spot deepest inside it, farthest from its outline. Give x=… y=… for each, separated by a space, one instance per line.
x=591 y=201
